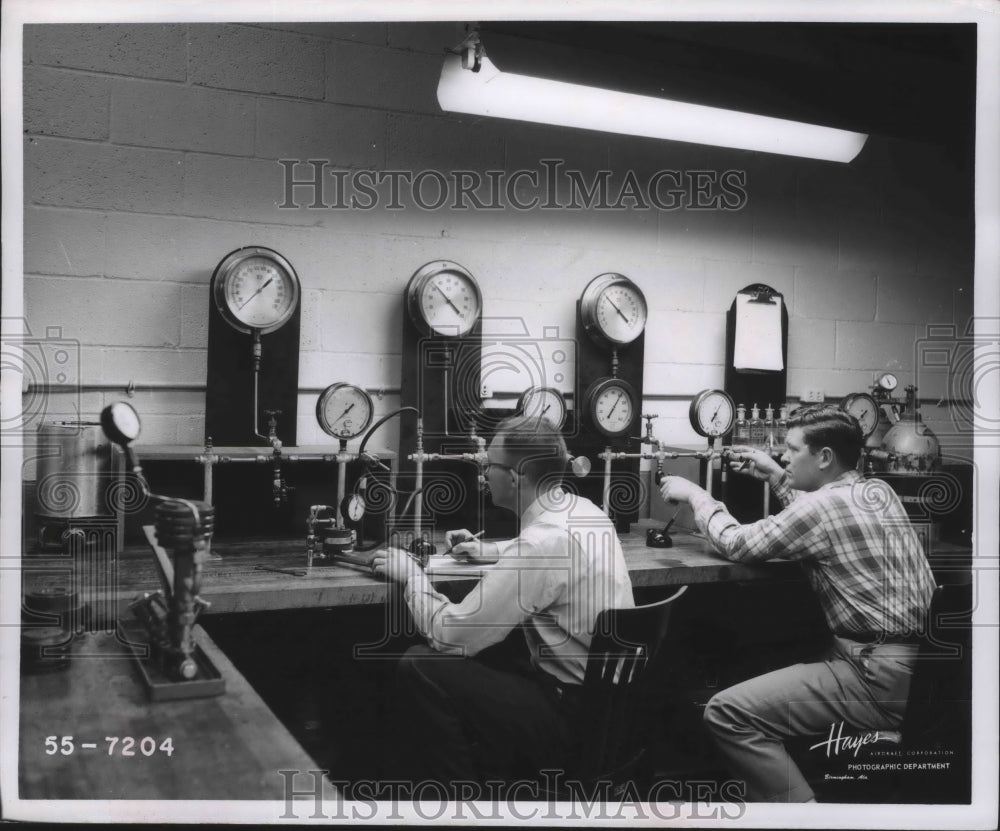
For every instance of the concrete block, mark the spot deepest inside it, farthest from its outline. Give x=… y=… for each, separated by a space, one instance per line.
x=426 y=36
x=869 y=241
x=244 y=190
x=195 y=302
x=81 y=174
x=670 y=378
x=310 y=339
x=98 y=311
x=786 y=239
x=724 y=235
x=830 y=294
x=383 y=79
x=873 y=346
x=374 y=33
x=811 y=342
x=724 y=278
x=154 y=114
x=687 y=338
x=345 y=137
x=142 y=50
x=920 y=299
x=58 y=241
x=835 y=383
x=258 y=60
x=439 y=144
x=145 y=366
x=359 y=322
x=62 y=103
x=317 y=370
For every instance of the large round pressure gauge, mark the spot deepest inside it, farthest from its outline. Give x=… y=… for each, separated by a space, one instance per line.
x=255 y=289
x=344 y=411
x=613 y=310
x=864 y=408
x=611 y=405
x=712 y=413
x=543 y=402
x=443 y=298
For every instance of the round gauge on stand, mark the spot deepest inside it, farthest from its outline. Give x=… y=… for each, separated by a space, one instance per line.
x=712 y=413
x=543 y=402
x=255 y=289
x=443 y=298
x=611 y=405
x=864 y=408
x=887 y=381
x=613 y=310
x=352 y=509
x=344 y=411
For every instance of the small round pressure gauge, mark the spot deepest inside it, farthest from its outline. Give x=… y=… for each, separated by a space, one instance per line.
x=611 y=405
x=442 y=298
x=352 y=509
x=613 y=310
x=255 y=289
x=344 y=411
x=712 y=413
x=543 y=402
x=887 y=381
x=864 y=408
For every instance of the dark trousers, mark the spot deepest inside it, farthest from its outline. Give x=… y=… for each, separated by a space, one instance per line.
x=488 y=718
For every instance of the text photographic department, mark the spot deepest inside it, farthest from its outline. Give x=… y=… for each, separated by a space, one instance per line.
x=535 y=588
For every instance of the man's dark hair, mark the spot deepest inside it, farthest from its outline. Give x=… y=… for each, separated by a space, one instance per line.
x=535 y=447
x=824 y=425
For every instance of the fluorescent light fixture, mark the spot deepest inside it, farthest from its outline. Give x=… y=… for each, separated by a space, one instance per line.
x=524 y=98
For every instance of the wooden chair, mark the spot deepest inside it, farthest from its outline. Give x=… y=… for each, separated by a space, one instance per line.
x=614 y=724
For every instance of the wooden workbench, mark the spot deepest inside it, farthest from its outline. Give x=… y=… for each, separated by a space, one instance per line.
x=224 y=747
x=233 y=580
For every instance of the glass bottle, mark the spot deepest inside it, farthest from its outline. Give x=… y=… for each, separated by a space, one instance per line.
x=781 y=426
x=756 y=427
x=741 y=434
x=769 y=440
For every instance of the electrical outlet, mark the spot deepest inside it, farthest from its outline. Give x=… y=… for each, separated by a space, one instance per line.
x=812 y=395
x=485 y=392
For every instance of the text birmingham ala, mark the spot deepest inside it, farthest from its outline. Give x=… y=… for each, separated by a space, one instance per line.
x=317 y=184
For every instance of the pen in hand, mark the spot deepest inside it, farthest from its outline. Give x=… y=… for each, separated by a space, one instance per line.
x=467 y=539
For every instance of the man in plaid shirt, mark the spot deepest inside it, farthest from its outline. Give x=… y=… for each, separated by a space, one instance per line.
x=868 y=569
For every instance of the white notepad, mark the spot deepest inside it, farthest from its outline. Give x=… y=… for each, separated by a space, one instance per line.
x=758 y=334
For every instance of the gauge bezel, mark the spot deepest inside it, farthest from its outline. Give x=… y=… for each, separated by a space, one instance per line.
x=526 y=397
x=415 y=290
x=588 y=308
x=695 y=407
x=887 y=381
x=327 y=394
x=348 y=520
x=224 y=272
x=845 y=405
x=594 y=392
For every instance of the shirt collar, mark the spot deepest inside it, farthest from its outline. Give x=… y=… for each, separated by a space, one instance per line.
x=541 y=505
x=848 y=477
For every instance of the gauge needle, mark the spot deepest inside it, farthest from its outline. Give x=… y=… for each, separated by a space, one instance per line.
x=252 y=296
x=349 y=408
x=613 y=306
x=619 y=398
x=546 y=408
x=448 y=300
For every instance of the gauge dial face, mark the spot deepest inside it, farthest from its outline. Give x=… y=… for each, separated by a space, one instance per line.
x=353 y=509
x=887 y=381
x=712 y=413
x=255 y=289
x=613 y=309
x=344 y=411
x=611 y=405
x=444 y=299
x=864 y=408
x=543 y=402
x=121 y=423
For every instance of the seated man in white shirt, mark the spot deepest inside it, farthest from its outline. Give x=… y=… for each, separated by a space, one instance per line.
x=471 y=719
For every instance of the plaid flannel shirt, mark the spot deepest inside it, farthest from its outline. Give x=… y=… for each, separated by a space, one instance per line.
x=856 y=544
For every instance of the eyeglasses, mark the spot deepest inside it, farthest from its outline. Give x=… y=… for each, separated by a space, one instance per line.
x=491 y=465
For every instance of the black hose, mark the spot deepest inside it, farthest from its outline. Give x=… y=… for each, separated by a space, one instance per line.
x=382 y=421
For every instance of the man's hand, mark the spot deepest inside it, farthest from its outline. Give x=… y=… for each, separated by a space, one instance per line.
x=395 y=564
x=751 y=461
x=678 y=489
x=465 y=547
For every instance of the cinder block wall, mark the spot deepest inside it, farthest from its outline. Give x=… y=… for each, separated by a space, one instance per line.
x=152 y=150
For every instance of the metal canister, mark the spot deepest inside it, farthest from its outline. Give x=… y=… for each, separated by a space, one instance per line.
x=74 y=470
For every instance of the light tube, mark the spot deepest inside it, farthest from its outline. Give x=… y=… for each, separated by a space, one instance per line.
x=524 y=98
